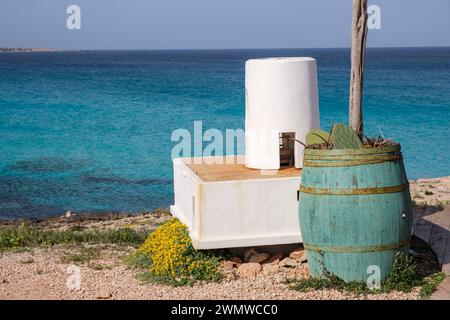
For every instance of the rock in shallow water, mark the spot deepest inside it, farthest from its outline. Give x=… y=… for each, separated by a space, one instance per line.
x=69 y=214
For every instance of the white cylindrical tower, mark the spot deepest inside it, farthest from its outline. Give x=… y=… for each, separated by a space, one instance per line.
x=281 y=105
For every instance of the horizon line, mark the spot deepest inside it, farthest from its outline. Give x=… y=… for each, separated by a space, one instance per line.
x=230 y=49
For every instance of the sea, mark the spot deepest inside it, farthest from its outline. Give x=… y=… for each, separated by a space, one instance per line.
x=90 y=131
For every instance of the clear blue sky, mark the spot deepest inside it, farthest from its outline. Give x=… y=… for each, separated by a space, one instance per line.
x=191 y=24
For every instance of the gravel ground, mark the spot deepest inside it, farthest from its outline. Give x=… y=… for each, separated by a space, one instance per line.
x=431 y=191
x=43 y=272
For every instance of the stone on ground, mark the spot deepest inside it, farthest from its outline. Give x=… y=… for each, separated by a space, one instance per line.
x=250 y=269
x=228 y=265
x=103 y=294
x=275 y=259
x=289 y=263
x=236 y=260
x=249 y=253
x=269 y=269
x=259 y=257
x=298 y=254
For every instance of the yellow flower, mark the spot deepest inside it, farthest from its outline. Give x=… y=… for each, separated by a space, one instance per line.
x=172 y=254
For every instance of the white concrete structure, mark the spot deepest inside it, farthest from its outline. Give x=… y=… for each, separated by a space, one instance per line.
x=281 y=98
x=230 y=205
x=238 y=209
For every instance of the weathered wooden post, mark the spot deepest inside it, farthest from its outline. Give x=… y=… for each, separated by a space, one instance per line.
x=355 y=208
x=359 y=36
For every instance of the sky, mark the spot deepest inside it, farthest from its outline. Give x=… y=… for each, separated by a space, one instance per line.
x=214 y=24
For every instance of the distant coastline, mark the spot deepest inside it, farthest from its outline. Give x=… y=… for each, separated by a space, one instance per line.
x=27 y=50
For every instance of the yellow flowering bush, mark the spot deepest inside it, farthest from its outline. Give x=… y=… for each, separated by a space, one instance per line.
x=174 y=258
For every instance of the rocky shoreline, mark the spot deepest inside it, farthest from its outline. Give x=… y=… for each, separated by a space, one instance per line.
x=85 y=219
x=427 y=191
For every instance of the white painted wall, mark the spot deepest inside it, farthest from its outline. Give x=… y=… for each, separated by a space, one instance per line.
x=240 y=213
x=186 y=194
x=281 y=96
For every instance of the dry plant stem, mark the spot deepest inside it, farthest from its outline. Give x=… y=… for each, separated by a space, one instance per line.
x=302 y=143
x=359 y=37
x=330 y=133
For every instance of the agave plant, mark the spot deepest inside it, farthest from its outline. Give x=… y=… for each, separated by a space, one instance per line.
x=343 y=137
x=317 y=136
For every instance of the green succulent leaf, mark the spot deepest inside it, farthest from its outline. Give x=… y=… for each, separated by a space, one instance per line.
x=343 y=137
x=317 y=136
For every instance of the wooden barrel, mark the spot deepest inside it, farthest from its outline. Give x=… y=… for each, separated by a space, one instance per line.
x=355 y=211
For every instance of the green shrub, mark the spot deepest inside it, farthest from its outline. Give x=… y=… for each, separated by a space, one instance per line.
x=173 y=260
x=430 y=283
x=329 y=282
x=81 y=255
x=24 y=236
x=138 y=260
x=402 y=277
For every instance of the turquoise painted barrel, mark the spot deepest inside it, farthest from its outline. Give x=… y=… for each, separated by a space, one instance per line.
x=355 y=211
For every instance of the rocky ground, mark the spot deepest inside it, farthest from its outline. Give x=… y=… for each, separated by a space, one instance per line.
x=431 y=191
x=46 y=273
x=51 y=272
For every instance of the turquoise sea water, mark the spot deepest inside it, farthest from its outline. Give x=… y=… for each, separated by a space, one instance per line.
x=90 y=131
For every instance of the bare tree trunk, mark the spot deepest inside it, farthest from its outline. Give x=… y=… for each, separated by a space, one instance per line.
x=359 y=36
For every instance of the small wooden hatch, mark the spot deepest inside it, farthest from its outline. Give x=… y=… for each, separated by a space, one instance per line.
x=287 y=149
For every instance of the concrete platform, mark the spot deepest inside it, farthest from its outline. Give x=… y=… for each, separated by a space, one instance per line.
x=433 y=226
x=226 y=205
